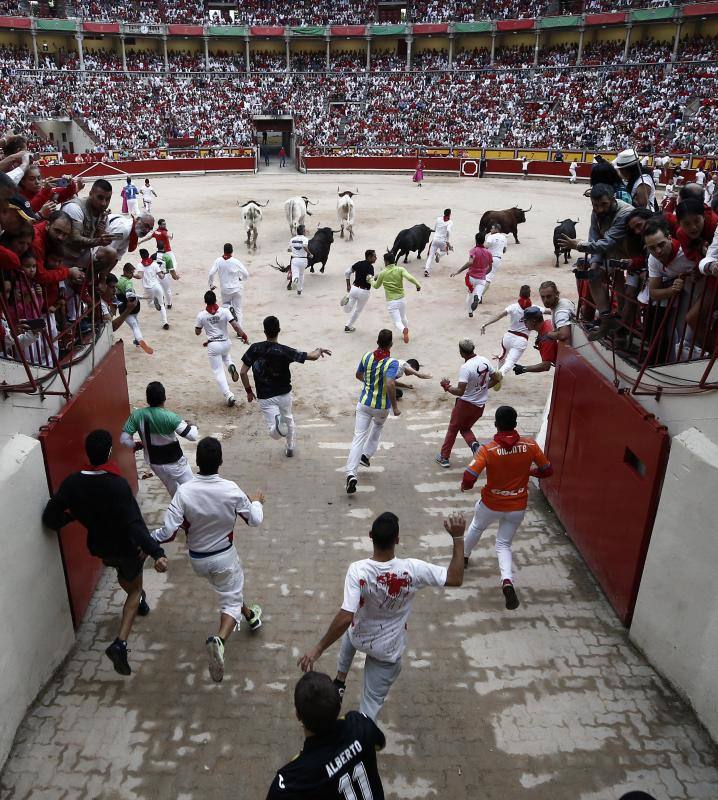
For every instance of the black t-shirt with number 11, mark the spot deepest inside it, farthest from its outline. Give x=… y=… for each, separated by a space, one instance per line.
x=340 y=765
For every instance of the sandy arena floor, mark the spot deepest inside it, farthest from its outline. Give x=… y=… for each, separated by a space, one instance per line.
x=549 y=702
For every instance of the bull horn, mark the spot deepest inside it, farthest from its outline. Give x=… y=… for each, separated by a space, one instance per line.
x=279 y=266
x=337 y=231
x=526 y=210
x=265 y=205
x=357 y=190
x=559 y=221
x=309 y=203
x=338 y=192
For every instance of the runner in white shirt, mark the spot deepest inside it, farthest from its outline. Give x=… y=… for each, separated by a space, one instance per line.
x=572 y=172
x=709 y=189
x=440 y=244
x=516 y=338
x=656 y=174
x=149 y=270
x=214 y=321
x=232 y=273
x=476 y=376
x=378 y=595
x=207 y=508
x=700 y=178
x=147 y=193
x=299 y=258
x=496 y=243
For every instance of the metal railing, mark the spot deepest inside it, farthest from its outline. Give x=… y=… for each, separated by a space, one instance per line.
x=682 y=329
x=47 y=344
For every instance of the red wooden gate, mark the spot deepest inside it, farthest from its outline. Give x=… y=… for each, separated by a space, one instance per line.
x=102 y=402
x=609 y=458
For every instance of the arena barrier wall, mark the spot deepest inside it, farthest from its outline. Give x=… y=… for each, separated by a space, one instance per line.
x=609 y=457
x=102 y=402
x=109 y=169
x=378 y=163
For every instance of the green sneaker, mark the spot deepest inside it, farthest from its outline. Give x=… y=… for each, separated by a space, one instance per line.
x=255 y=620
x=215 y=653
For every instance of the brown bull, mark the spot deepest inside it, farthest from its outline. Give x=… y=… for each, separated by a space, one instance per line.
x=508 y=219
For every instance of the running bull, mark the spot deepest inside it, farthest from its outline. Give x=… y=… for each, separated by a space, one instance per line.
x=509 y=219
x=410 y=239
x=567 y=228
x=252 y=216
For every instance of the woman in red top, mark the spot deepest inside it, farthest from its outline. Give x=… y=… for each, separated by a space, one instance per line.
x=39 y=193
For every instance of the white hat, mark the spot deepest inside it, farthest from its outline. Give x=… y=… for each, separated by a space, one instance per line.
x=625 y=158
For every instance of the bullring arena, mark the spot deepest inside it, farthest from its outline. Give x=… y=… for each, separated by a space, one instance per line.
x=600 y=684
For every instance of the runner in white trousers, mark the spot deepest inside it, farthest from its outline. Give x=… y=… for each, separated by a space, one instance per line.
x=440 y=244
x=516 y=339
x=231 y=273
x=214 y=321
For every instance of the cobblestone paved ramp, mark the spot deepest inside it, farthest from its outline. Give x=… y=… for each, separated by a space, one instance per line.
x=546 y=703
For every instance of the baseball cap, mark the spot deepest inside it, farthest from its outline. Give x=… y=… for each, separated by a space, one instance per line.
x=23 y=208
x=625 y=158
x=466 y=345
x=532 y=311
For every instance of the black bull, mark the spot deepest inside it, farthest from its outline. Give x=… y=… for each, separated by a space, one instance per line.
x=319 y=246
x=410 y=239
x=508 y=219
x=565 y=227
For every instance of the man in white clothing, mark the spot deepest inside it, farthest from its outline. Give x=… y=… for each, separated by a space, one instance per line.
x=440 y=244
x=150 y=270
x=496 y=243
x=231 y=273
x=214 y=321
x=207 y=508
x=148 y=193
x=516 y=339
x=700 y=177
x=298 y=247
x=358 y=294
x=125 y=231
x=572 y=172
x=709 y=189
x=378 y=595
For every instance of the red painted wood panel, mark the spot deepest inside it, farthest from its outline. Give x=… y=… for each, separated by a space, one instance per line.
x=700 y=9
x=609 y=458
x=348 y=30
x=102 y=402
x=15 y=22
x=185 y=30
x=379 y=163
x=267 y=30
x=426 y=27
x=101 y=27
x=515 y=24
x=606 y=19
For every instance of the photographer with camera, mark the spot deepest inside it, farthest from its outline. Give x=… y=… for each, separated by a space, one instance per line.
x=606 y=243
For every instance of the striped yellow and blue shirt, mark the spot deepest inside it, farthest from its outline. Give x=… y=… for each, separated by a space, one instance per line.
x=376 y=372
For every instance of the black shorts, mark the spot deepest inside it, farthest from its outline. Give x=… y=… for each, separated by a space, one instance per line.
x=128 y=568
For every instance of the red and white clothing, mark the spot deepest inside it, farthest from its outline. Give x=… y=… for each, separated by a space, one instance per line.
x=152 y=288
x=207 y=508
x=439 y=244
x=162 y=236
x=215 y=322
x=231 y=274
x=480 y=263
x=515 y=340
x=476 y=373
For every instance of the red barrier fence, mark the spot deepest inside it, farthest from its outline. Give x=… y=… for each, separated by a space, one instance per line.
x=102 y=169
x=102 y=402
x=379 y=163
x=609 y=458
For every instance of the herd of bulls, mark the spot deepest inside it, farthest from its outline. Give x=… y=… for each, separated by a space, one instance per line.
x=409 y=240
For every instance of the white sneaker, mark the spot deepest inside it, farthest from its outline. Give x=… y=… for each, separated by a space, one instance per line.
x=436 y=256
x=295 y=283
x=231 y=400
x=215 y=654
x=344 y=300
x=281 y=425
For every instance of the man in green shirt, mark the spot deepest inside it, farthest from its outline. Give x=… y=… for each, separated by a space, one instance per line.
x=158 y=429
x=392 y=279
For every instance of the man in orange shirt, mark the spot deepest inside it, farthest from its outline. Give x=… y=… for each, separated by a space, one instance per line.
x=508 y=461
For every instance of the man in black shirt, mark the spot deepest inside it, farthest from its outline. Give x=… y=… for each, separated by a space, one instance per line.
x=270 y=362
x=338 y=760
x=99 y=498
x=358 y=296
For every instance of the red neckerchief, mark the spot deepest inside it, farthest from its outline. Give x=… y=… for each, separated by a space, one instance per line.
x=226 y=257
x=524 y=302
x=675 y=247
x=108 y=466
x=134 y=238
x=147 y=261
x=446 y=219
x=380 y=353
x=213 y=309
x=507 y=439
